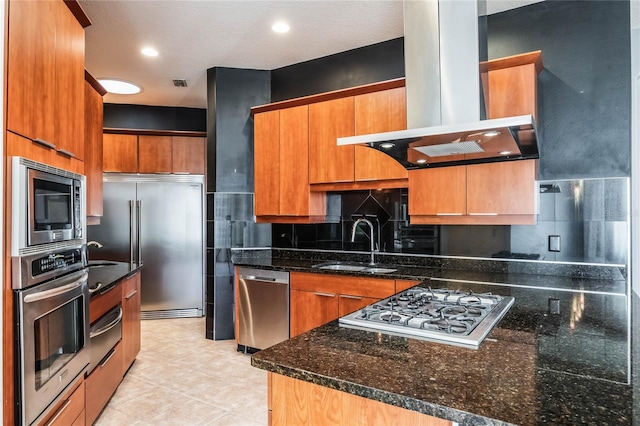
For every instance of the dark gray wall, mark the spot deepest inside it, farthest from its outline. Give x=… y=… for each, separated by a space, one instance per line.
x=231 y=94
x=585 y=89
x=369 y=64
x=125 y=116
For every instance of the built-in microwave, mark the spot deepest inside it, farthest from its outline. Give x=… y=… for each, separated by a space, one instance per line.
x=48 y=206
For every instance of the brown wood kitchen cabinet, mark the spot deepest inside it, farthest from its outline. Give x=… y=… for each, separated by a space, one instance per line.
x=502 y=193
x=329 y=120
x=316 y=299
x=102 y=383
x=70 y=409
x=93 y=117
x=379 y=112
x=130 y=320
x=153 y=153
x=45 y=83
x=281 y=164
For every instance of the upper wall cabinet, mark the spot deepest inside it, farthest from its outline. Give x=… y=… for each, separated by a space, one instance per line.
x=501 y=193
x=329 y=120
x=45 y=83
x=281 y=168
x=131 y=153
x=93 y=117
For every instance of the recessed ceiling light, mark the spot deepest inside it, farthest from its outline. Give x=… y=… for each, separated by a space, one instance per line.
x=491 y=133
x=149 y=51
x=387 y=145
x=421 y=161
x=119 y=87
x=280 y=27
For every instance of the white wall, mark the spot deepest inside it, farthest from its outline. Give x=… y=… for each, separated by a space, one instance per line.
x=635 y=148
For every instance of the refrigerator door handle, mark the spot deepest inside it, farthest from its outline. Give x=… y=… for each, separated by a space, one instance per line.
x=131 y=228
x=139 y=204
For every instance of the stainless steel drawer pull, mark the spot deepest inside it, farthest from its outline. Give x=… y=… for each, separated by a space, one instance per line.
x=324 y=294
x=448 y=214
x=44 y=143
x=67 y=153
x=107 y=327
x=483 y=214
x=103 y=363
x=346 y=296
x=64 y=407
x=130 y=295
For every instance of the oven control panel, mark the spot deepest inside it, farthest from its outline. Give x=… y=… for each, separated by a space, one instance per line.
x=53 y=261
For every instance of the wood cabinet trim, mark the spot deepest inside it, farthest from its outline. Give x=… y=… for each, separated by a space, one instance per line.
x=94 y=83
x=327 y=96
x=78 y=12
x=534 y=57
x=152 y=132
x=342 y=285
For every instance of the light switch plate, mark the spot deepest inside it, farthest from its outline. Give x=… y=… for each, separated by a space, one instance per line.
x=554 y=243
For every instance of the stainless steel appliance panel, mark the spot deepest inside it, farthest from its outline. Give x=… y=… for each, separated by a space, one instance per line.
x=104 y=333
x=117 y=223
x=171 y=241
x=263 y=307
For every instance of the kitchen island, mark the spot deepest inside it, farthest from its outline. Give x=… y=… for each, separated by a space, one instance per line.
x=561 y=355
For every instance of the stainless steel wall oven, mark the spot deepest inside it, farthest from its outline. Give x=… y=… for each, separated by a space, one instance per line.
x=52 y=328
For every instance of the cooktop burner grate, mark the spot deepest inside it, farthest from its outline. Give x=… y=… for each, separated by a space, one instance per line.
x=450 y=316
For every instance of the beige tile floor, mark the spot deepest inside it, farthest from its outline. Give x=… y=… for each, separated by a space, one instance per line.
x=182 y=379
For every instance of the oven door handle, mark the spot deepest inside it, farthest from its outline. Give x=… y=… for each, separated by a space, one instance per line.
x=107 y=327
x=47 y=294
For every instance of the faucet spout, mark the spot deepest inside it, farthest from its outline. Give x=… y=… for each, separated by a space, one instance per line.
x=94 y=244
x=353 y=236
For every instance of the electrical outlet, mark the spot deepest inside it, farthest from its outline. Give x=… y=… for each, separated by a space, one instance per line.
x=554 y=243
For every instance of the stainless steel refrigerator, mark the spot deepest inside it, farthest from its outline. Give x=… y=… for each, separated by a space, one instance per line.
x=156 y=220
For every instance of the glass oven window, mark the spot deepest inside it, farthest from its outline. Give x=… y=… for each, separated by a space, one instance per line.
x=58 y=336
x=52 y=205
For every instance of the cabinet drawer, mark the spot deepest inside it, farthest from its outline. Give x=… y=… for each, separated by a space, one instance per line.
x=102 y=383
x=101 y=304
x=69 y=409
x=340 y=284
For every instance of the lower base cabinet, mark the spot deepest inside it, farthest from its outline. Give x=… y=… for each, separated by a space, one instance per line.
x=70 y=410
x=130 y=321
x=295 y=402
x=102 y=383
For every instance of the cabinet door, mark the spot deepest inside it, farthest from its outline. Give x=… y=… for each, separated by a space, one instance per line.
x=130 y=321
x=310 y=309
x=93 y=150
x=329 y=120
x=102 y=383
x=188 y=155
x=154 y=154
x=31 y=69
x=350 y=303
x=69 y=409
x=120 y=153
x=438 y=192
x=69 y=88
x=506 y=188
x=266 y=165
x=294 y=161
x=379 y=112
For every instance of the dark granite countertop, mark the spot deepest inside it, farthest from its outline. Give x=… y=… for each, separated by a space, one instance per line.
x=104 y=274
x=535 y=367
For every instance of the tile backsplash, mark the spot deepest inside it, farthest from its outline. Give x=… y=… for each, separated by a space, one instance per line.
x=589 y=218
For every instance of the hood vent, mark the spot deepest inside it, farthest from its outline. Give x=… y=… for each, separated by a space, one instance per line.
x=445 y=105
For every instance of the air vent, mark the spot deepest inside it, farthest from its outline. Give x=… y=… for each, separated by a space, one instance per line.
x=180 y=83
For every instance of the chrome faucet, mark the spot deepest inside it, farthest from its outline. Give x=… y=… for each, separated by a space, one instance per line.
x=373 y=244
x=94 y=244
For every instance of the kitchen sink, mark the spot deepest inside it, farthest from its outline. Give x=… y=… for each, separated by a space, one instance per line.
x=351 y=267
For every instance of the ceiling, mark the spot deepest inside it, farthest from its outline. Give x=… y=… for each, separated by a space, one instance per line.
x=195 y=35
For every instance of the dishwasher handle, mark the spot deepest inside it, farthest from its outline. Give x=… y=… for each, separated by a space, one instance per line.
x=257 y=278
x=263 y=275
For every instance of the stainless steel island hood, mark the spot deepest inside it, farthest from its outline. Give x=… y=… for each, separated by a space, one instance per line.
x=443 y=86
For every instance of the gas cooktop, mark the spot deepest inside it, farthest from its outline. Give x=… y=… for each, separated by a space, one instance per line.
x=442 y=315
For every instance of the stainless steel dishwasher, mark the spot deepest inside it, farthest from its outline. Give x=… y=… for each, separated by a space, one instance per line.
x=263 y=307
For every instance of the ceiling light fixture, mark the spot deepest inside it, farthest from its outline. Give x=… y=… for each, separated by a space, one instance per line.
x=119 y=87
x=280 y=27
x=149 y=51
